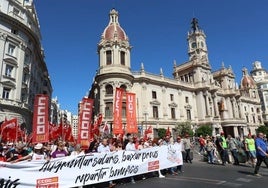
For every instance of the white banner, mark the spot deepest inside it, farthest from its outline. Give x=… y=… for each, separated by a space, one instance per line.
x=88 y=169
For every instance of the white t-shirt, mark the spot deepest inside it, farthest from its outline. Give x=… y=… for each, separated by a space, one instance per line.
x=103 y=149
x=130 y=147
x=38 y=157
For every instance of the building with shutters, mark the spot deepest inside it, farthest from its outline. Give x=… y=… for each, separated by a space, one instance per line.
x=195 y=94
x=23 y=70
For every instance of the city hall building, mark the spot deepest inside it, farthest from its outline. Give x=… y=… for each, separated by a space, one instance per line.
x=195 y=94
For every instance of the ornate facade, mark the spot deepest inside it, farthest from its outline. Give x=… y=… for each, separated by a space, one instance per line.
x=260 y=76
x=23 y=72
x=195 y=93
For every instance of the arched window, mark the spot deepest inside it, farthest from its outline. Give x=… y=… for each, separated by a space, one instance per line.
x=109 y=89
x=122 y=57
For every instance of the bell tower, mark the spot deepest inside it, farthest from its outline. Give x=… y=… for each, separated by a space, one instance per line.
x=197 y=47
x=114 y=48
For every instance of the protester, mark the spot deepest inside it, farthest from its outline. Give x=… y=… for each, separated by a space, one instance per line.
x=209 y=149
x=222 y=148
x=60 y=151
x=187 y=147
x=233 y=145
x=38 y=153
x=18 y=154
x=77 y=150
x=261 y=152
x=104 y=148
x=131 y=147
x=202 y=144
x=251 y=149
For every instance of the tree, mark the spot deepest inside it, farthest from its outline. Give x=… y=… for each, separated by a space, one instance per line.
x=263 y=129
x=184 y=128
x=204 y=130
x=161 y=132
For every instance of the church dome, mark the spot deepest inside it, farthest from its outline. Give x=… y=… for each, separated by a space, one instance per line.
x=114 y=31
x=247 y=81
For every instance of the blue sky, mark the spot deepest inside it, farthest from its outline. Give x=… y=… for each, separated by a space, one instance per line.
x=236 y=33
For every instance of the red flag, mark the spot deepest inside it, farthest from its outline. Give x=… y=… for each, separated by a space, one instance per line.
x=67 y=133
x=148 y=131
x=117 y=126
x=40 y=119
x=168 y=133
x=131 y=113
x=8 y=129
x=84 y=125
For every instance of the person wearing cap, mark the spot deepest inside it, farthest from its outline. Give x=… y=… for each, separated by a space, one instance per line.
x=38 y=153
x=18 y=154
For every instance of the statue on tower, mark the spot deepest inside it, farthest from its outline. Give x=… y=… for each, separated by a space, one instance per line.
x=195 y=25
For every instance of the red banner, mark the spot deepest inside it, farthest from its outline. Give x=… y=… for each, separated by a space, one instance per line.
x=117 y=126
x=40 y=119
x=84 y=126
x=131 y=113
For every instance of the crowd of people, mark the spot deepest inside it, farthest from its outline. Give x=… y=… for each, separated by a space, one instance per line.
x=251 y=149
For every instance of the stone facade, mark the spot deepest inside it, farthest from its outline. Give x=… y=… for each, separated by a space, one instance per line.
x=23 y=72
x=195 y=94
x=260 y=76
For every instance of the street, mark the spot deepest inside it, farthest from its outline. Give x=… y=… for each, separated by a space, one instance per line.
x=202 y=175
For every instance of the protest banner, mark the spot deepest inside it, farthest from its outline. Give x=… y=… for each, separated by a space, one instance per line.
x=73 y=171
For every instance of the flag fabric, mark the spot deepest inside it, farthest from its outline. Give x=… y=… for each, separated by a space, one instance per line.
x=117 y=126
x=40 y=119
x=85 y=123
x=168 y=133
x=148 y=131
x=67 y=133
x=9 y=130
x=131 y=113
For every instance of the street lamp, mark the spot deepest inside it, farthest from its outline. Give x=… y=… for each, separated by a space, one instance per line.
x=145 y=118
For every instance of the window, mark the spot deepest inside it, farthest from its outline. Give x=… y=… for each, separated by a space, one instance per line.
x=193 y=45
x=27 y=59
x=6 y=93
x=186 y=99
x=155 y=112
x=122 y=57
x=124 y=109
x=108 y=57
x=188 y=113
x=109 y=109
x=173 y=113
x=14 y=31
x=254 y=120
x=16 y=11
x=11 y=49
x=8 y=71
x=25 y=78
x=171 y=97
x=247 y=119
x=154 y=96
x=109 y=89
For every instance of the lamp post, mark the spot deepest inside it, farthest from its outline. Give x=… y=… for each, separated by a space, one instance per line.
x=145 y=119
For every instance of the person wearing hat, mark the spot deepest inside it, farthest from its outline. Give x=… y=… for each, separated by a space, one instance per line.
x=38 y=153
x=18 y=154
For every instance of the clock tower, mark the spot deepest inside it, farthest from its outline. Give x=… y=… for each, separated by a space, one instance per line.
x=197 y=47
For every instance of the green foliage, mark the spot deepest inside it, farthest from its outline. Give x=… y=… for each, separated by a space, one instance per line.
x=161 y=132
x=263 y=129
x=204 y=130
x=184 y=128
